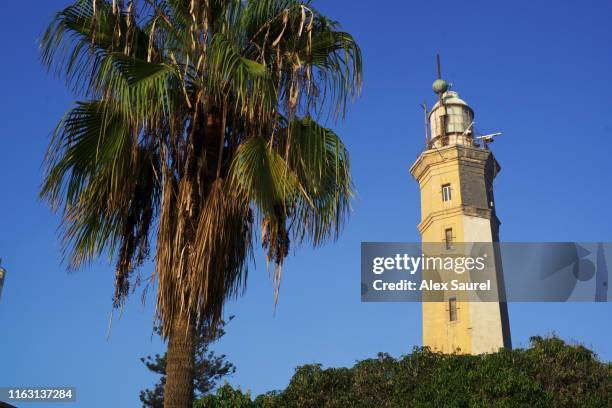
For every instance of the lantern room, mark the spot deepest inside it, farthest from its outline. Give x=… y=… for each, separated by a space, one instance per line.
x=451 y=121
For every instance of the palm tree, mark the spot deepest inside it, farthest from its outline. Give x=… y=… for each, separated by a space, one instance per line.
x=196 y=124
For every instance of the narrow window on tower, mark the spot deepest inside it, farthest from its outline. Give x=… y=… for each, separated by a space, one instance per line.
x=446 y=192
x=452 y=309
x=448 y=238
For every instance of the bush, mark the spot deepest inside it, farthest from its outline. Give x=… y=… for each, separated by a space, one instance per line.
x=226 y=397
x=550 y=373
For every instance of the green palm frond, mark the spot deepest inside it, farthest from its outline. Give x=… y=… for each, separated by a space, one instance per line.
x=90 y=136
x=105 y=183
x=317 y=66
x=337 y=59
x=258 y=15
x=247 y=80
x=321 y=163
x=143 y=90
x=261 y=175
x=76 y=42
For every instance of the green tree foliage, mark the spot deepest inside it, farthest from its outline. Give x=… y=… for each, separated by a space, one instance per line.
x=226 y=397
x=550 y=373
x=209 y=368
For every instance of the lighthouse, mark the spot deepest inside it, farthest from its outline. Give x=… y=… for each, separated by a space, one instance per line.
x=455 y=173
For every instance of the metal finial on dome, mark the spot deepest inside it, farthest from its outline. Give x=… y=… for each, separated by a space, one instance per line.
x=439 y=86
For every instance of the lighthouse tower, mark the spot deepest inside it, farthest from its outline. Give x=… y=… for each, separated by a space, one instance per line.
x=455 y=173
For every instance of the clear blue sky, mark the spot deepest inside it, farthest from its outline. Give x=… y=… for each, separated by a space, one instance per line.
x=537 y=70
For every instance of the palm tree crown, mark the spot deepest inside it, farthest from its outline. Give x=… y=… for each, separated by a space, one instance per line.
x=196 y=125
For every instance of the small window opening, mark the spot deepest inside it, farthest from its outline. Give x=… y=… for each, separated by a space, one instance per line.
x=452 y=309
x=448 y=238
x=446 y=192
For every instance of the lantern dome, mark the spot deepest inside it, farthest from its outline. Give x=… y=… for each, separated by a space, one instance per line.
x=457 y=117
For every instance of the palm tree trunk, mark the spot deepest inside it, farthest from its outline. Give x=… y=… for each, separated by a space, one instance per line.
x=178 y=392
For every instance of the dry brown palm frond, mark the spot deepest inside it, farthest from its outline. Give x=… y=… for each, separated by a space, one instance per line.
x=213 y=267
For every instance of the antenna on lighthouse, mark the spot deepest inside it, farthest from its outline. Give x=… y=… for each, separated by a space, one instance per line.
x=424 y=106
x=439 y=87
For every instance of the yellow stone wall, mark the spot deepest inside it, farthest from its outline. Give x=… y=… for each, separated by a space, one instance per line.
x=478 y=327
